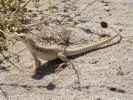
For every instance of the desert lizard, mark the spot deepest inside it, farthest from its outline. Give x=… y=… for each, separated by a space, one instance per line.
x=52 y=53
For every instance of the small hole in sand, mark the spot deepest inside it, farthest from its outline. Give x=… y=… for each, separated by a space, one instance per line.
x=51 y=86
x=104 y=24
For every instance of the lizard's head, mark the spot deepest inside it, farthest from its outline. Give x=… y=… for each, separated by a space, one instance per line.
x=24 y=38
x=21 y=37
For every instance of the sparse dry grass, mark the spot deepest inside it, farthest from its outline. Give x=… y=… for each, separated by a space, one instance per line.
x=13 y=16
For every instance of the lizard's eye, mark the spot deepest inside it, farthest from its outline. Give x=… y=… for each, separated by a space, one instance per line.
x=21 y=37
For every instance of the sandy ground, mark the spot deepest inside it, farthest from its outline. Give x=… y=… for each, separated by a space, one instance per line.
x=104 y=74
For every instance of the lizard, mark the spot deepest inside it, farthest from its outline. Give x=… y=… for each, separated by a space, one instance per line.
x=51 y=53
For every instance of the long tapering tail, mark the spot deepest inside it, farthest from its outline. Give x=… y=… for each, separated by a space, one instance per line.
x=87 y=48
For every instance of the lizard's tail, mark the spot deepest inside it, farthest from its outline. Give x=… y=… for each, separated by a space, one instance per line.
x=86 y=48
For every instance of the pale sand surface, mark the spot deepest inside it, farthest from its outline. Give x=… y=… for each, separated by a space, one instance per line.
x=105 y=74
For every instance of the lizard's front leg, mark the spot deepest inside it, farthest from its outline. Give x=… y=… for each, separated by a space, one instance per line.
x=37 y=62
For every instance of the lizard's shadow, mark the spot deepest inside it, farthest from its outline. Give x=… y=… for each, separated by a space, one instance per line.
x=47 y=68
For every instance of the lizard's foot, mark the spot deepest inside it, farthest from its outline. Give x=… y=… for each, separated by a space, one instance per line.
x=104 y=35
x=38 y=72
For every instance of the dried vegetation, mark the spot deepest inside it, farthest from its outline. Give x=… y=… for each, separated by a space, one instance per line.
x=14 y=15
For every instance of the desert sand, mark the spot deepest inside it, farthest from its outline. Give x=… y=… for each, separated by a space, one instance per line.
x=105 y=74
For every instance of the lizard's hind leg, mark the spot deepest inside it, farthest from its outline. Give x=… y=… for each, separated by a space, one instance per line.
x=62 y=57
x=66 y=60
